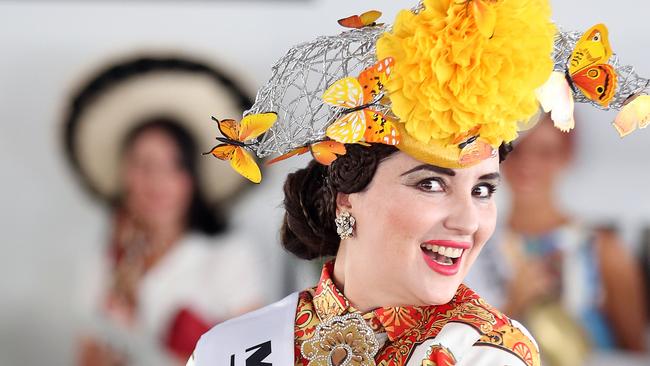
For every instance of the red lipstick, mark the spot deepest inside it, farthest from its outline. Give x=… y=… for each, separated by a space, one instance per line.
x=444 y=269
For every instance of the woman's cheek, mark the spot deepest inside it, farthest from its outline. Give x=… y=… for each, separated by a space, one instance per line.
x=487 y=224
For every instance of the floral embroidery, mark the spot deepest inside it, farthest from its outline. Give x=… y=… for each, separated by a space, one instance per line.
x=342 y=341
x=438 y=355
x=405 y=327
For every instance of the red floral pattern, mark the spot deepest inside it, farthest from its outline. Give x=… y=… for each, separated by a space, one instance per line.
x=409 y=326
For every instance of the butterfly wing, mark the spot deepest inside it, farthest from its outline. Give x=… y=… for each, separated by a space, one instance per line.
x=254 y=125
x=370 y=17
x=556 y=96
x=465 y=136
x=373 y=79
x=326 y=152
x=294 y=152
x=597 y=82
x=485 y=16
x=223 y=151
x=346 y=93
x=229 y=128
x=244 y=164
x=591 y=49
x=360 y=21
x=380 y=129
x=634 y=114
x=353 y=21
x=349 y=128
x=475 y=152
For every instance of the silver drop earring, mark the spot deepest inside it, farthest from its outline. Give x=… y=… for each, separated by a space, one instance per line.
x=345 y=225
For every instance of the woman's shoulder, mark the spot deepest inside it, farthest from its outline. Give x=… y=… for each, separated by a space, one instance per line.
x=499 y=333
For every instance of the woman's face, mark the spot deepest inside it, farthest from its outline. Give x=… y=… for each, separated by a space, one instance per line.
x=540 y=156
x=158 y=189
x=411 y=213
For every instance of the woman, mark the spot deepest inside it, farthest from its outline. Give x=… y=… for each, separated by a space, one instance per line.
x=406 y=162
x=164 y=275
x=546 y=257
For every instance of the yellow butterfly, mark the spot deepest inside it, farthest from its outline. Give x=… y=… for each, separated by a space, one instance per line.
x=358 y=95
x=234 y=142
x=635 y=113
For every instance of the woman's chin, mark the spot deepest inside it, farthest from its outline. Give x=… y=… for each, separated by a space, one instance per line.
x=439 y=295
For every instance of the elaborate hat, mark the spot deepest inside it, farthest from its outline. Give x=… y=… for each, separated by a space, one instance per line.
x=447 y=83
x=113 y=101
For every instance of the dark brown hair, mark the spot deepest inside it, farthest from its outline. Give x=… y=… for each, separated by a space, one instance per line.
x=308 y=230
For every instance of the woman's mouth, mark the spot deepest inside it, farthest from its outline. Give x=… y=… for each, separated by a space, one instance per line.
x=444 y=256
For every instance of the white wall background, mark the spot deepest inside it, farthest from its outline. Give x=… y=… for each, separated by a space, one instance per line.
x=47 y=224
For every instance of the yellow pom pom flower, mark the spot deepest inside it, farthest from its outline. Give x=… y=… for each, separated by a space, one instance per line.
x=450 y=76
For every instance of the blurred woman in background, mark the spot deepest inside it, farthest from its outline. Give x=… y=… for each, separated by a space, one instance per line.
x=551 y=270
x=166 y=273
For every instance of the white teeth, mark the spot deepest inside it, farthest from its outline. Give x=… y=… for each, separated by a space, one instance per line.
x=449 y=252
x=446 y=251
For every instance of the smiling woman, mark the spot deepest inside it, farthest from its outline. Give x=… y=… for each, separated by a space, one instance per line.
x=417 y=230
x=424 y=251
x=407 y=125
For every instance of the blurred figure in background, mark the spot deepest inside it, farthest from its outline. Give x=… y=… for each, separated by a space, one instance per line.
x=575 y=287
x=168 y=270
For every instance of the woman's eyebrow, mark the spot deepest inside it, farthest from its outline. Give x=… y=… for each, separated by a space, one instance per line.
x=491 y=176
x=432 y=168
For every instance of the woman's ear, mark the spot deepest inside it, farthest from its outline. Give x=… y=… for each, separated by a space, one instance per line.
x=343 y=202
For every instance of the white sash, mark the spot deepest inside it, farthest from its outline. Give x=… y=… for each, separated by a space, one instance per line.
x=263 y=337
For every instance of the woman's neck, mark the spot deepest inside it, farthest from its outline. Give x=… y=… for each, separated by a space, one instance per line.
x=536 y=216
x=355 y=287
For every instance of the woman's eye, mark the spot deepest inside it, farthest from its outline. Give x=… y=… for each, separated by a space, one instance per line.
x=431 y=185
x=484 y=191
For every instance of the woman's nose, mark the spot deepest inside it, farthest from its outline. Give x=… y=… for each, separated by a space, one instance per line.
x=463 y=215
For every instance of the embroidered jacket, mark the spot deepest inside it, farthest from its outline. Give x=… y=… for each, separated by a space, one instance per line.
x=400 y=330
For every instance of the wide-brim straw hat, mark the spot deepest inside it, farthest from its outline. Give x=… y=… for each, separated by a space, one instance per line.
x=117 y=98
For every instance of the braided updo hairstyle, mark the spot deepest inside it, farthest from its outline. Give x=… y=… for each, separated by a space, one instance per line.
x=308 y=230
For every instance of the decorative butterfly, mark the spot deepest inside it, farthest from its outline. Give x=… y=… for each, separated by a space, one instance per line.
x=635 y=113
x=325 y=152
x=367 y=19
x=588 y=67
x=588 y=71
x=358 y=95
x=484 y=13
x=556 y=96
x=234 y=142
x=474 y=150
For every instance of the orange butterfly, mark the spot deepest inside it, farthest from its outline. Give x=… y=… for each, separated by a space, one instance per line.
x=474 y=150
x=485 y=15
x=588 y=66
x=357 y=95
x=367 y=19
x=234 y=142
x=635 y=114
x=589 y=72
x=325 y=152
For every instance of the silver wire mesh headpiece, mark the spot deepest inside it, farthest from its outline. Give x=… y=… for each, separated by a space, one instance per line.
x=300 y=78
